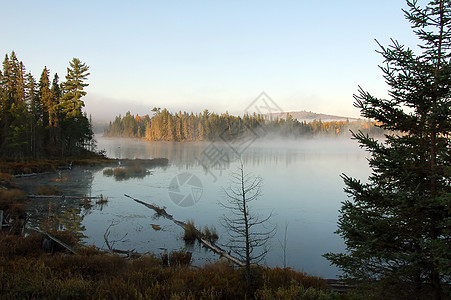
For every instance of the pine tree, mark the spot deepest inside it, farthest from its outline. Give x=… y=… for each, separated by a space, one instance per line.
x=77 y=74
x=397 y=226
x=76 y=132
x=13 y=137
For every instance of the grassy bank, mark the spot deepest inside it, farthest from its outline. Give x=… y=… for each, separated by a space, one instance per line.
x=51 y=165
x=26 y=271
x=30 y=166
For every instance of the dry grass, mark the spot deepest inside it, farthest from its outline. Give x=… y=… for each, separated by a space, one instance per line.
x=132 y=171
x=6 y=180
x=29 y=273
x=13 y=195
x=126 y=172
x=48 y=190
x=108 y=172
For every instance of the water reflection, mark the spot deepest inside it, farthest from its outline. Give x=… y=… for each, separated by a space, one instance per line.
x=68 y=209
x=301 y=187
x=263 y=152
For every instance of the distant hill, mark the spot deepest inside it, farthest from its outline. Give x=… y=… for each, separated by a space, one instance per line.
x=309 y=116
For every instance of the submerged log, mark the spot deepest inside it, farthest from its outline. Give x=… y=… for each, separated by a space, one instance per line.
x=209 y=245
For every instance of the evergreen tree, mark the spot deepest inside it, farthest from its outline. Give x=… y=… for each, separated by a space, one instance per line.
x=33 y=119
x=45 y=97
x=54 y=115
x=397 y=226
x=77 y=74
x=32 y=99
x=13 y=138
x=75 y=128
x=170 y=136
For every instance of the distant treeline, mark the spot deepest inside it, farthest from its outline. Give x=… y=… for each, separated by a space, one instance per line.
x=42 y=119
x=165 y=126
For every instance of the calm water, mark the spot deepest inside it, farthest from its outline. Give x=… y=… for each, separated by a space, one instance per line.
x=301 y=187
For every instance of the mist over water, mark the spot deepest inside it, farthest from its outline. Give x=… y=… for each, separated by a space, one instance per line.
x=301 y=187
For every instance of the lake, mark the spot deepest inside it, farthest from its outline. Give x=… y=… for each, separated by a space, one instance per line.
x=301 y=187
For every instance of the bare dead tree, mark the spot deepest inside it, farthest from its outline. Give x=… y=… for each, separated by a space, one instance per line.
x=283 y=245
x=249 y=232
x=106 y=235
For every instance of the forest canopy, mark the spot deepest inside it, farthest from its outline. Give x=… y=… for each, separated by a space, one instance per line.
x=42 y=118
x=166 y=126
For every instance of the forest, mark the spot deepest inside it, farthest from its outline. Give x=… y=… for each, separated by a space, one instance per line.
x=41 y=119
x=166 y=126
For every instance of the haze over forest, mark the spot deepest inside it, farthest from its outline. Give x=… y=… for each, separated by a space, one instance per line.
x=163 y=125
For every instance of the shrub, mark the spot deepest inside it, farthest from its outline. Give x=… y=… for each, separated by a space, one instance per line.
x=6 y=180
x=11 y=246
x=13 y=195
x=108 y=172
x=180 y=258
x=191 y=233
x=278 y=277
x=26 y=272
x=128 y=172
x=120 y=173
x=210 y=234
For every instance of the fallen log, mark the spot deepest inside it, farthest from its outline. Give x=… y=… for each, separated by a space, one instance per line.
x=61 y=197
x=66 y=246
x=209 y=245
x=26 y=175
x=158 y=210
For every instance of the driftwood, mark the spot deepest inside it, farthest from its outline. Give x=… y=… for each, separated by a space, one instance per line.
x=130 y=253
x=66 y=246
x=209 y=245
x=29 y=174
x=61 y=197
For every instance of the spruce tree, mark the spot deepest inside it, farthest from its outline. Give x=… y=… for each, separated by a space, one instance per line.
x=45 y=97
x=32 y=98
x=397 y=225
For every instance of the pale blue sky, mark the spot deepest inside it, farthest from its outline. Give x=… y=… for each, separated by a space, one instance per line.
x=220 y=55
